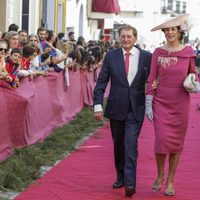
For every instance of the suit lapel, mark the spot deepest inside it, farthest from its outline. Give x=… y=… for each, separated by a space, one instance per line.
x=140 y=64
x=121 y=65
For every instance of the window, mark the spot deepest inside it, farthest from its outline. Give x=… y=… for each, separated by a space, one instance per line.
x=170 y=5
x=178 y=7
x=184 y=8
x=25 y=14
x=163 y=7
x=44 y=14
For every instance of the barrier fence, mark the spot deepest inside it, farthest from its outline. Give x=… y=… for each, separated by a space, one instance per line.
x=30 y=112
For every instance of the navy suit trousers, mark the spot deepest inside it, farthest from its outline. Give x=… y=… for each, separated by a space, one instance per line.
x=125 y=138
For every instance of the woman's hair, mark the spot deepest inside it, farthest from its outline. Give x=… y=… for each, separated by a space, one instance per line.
x=50 y=34
x=5 y=42
x=61 y=35
x=90 y=61
x=31 y=36
x=96 y=52
x=75 y=54
x=84 y=54
x=10 y=34
x=182 y=33
x=81 y=41
x=65 y=47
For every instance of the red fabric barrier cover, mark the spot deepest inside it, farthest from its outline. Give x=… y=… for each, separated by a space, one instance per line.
x=105 y=6
x=30 y=112
x=87 y=79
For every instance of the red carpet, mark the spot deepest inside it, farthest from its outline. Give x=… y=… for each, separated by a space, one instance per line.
x=88 y=173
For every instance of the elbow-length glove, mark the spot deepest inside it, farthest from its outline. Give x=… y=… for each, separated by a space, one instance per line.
x=148 y=107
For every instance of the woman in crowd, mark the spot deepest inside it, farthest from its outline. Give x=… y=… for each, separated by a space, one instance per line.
x=33 y=39
x=13 y=38
x=3 y=52
x=168 y=105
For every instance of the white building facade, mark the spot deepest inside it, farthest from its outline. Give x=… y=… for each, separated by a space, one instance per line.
x=24 y=13
x=77 y=16
x=144 y=15
x=31 y=14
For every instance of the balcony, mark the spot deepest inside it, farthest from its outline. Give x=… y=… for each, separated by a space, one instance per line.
x=103 y=9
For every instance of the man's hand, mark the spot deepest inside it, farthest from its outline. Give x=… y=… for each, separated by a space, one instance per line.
x=9 y=78
x=98 y=116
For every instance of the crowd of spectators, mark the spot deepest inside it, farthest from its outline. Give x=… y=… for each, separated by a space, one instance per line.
x=31 y=55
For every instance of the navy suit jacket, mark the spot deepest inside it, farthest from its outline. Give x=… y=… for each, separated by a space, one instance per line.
x=121 y=95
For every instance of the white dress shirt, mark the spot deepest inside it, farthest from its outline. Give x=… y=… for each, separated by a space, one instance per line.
x=133 y=63
x=132 y=70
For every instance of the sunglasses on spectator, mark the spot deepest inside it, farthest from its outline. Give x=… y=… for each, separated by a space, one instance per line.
x=5 y=50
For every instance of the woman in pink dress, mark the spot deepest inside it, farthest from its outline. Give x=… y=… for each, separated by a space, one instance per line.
x=168 y=105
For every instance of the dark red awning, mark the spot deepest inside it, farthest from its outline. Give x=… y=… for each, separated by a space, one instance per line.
x=106 y=6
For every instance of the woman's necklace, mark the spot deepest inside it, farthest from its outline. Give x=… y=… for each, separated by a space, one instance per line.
x=172 y=49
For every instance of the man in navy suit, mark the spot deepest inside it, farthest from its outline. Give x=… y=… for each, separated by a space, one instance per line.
x=127 y=68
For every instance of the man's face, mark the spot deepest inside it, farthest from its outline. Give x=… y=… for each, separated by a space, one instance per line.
x=127 y=39
x=23 y=36
x=16 y=57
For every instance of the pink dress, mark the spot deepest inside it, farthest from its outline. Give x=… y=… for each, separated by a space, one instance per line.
x=171 y=100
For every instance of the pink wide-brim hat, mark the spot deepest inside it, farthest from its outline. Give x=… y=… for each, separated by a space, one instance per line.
x=181 y=20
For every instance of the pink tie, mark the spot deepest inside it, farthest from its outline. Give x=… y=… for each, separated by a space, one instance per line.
x=127 y=62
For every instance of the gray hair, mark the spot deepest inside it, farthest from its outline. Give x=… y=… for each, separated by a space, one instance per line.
x=128 y=28
x=10 y=34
